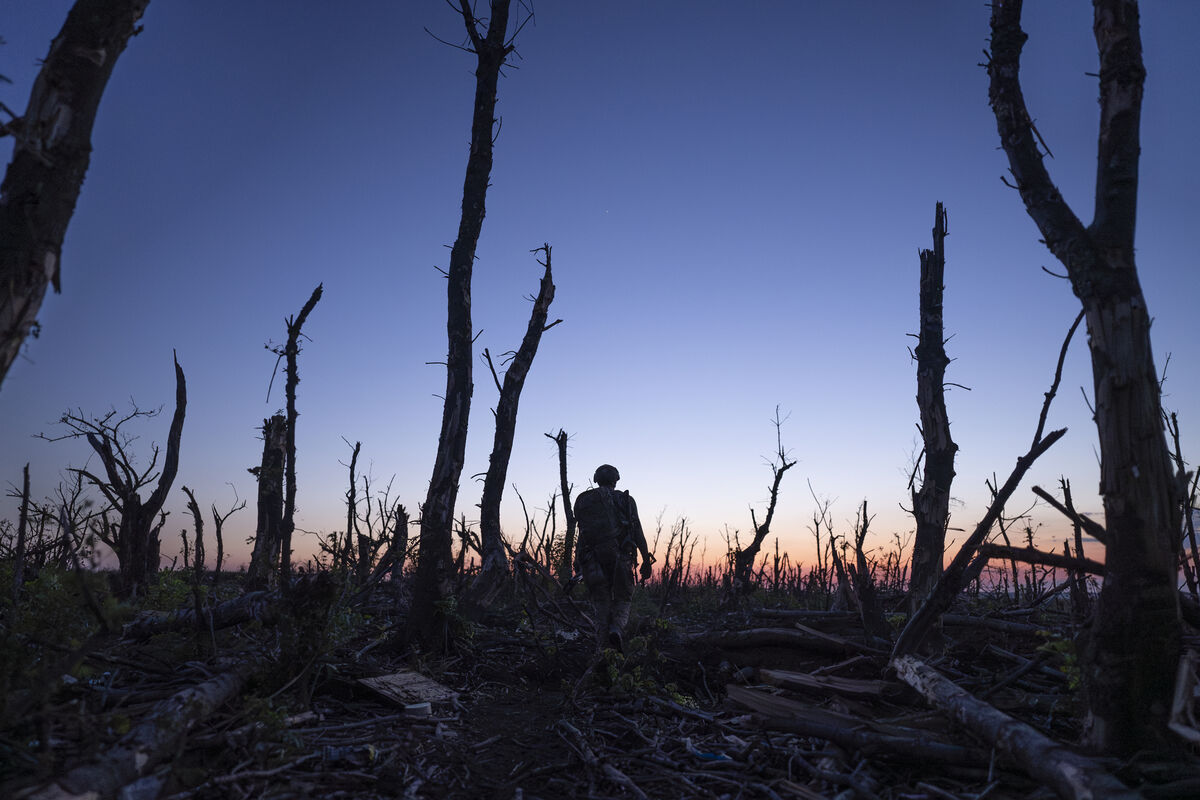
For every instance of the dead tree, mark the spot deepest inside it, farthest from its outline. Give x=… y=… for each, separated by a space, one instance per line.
x=743 y=559
x=290 y=351
x=50 y=159
x=353 y=534
x=567 y=567
x=495 y=559
x=959 y=573
x=134 y=538
x=219 y=520
x=435 y=562
x=268 y=535
x=931 y=505
x=1133 y=649
x=19 y=548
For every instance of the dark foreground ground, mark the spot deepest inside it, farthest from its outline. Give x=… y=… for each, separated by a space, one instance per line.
x=707 y=701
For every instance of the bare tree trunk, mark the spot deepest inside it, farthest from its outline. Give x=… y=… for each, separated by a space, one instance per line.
x=268 y=534
x=567 y=569
x=931 y=505
x=352 y=535
x=218 y=527
x=291 y=351
x=495 y=560
x=1133 y=649
x=399 y=543
x=50 y=159
x=19 y=555
x=435 y=563
x=198 y=566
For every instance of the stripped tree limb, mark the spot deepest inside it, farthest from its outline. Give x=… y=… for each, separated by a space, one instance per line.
x=149 y=743
x=1069 y=774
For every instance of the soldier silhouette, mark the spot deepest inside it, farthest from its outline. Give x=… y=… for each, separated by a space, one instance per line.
x=610 y=537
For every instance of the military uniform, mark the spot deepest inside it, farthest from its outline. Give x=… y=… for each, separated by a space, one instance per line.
x=606 y=555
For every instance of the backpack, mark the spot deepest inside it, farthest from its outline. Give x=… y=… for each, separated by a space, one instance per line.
x=601 y=519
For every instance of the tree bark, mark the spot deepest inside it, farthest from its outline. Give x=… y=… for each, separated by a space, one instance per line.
x=1131 y=654
x=434 y=583
x=495 y=560
x=268 y=534
x=50 y=159
x=931 y=505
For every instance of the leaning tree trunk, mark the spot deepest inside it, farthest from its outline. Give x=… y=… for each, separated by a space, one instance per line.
x=1134 y=645
x=50 y=158
x=495 y=560
x=931 y=505
x=267 y=535
x=435 y=561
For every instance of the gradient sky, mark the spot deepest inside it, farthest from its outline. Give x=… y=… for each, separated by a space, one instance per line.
x=735 y=194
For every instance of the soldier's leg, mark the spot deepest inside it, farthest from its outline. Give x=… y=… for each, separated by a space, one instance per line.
x=600 y=593
x=622 y=594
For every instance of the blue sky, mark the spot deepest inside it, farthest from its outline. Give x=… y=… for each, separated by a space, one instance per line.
x=735 y=193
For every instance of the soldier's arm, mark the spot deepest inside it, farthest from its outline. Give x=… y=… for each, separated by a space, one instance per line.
x=639 y=537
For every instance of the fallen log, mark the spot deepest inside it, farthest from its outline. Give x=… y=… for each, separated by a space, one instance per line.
x=852 y=733
x=804 y=638
x=1069 y=774
x=855 y=687
x=156 y=738
x=991 y=623
x=259 y=606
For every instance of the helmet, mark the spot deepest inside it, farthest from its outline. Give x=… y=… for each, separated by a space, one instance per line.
x=606 y=475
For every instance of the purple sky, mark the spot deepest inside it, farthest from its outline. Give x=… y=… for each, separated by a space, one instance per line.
x=735 y=194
